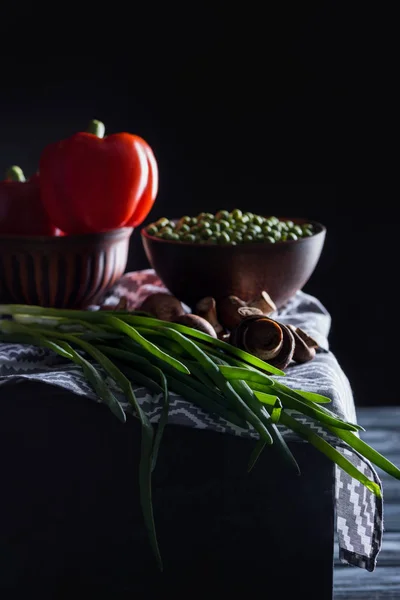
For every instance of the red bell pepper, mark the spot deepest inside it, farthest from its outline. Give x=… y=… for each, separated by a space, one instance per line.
x=91 y=183
x=21 y=208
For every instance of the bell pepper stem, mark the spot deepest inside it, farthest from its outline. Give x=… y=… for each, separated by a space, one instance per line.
x=15 y=173
x=97 y=128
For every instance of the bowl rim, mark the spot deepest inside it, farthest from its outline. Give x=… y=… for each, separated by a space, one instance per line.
x=321 y=231
x=65 y=239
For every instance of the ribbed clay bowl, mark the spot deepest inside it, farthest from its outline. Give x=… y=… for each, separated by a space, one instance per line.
x=64 y=272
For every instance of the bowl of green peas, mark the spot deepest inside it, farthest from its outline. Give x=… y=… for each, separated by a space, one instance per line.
x=233 y=253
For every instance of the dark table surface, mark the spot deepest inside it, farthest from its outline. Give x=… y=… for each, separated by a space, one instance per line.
x=70 y=519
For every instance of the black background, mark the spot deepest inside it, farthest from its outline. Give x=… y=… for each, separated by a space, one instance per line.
x=255 y=106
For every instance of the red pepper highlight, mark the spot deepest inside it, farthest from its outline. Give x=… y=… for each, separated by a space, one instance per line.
x=21 y=208
x=90 y=183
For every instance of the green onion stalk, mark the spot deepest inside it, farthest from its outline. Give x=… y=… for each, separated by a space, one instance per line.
x=135 y=348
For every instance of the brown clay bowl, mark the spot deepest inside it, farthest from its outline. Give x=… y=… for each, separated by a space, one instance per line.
x=63 y=272
x=192 y=271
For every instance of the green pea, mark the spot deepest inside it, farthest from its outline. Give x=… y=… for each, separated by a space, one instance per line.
x=195 y=229
x=152 y=229
x=284 y=236
x=244 y=219
x=248 y=237
x=307 y=232
x=193 y=221
x=270 y=239
x=166 y=230
x=236 y=214
x=163 y=222
x=204 y=225
x=266 y=229
x=185 y=220
x=224 y=238
x=249 y=215
x=241 y=227
x=255 y=229
x=168 y=235
x=206 y=233
x=222 y=214
x=210 y=216
x=258 y=220
x=184 y=228
x=307 y=226
x=201 y=216
x=276 y=234
x=292 y=236
x=237 y=236
x=224 y=225
x=215 y=226
x=259 y=238
x=289 y=224
x=212 y=239
x=189 y=237
x=282 y=226
x=297 y=230
x=273 y=220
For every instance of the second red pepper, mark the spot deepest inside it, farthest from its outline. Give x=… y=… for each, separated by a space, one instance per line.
x=21 y=208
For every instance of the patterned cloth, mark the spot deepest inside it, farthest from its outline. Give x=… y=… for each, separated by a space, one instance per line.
x=358 y=511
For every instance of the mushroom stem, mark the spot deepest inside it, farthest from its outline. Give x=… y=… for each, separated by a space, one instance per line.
x=207 y=309
x=311 y=343
x=302 y=351
x=264 y=303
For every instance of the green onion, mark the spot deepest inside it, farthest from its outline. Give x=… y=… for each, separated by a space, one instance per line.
x=365 y=450
x=329 y=451
x=98 y=384
x=135 y=348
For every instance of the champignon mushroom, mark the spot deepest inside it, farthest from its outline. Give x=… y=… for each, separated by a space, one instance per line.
x=162 y=306
x=265 y=338
x=249 y=311
x=196 y=322
x=227 y=310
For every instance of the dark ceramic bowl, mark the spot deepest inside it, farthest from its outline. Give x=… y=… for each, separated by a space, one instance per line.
x=193 y=271
x=64 y=272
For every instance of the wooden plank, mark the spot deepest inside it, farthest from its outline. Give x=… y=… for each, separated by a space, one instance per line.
x=391 y=490
x=386 y=417
x=391 y=517
x=385 y=442
x=389 y=555
x=351 y=583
